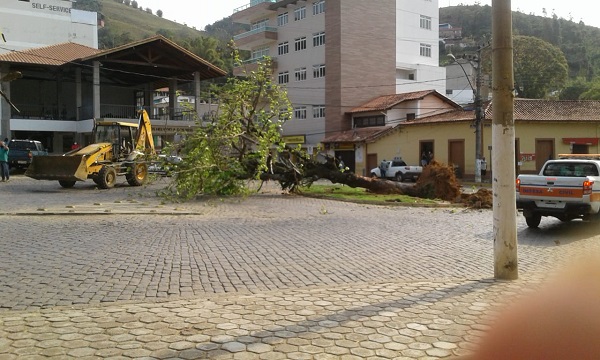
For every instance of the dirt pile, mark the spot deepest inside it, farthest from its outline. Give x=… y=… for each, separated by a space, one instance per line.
x=482 y=199
x=438 y=181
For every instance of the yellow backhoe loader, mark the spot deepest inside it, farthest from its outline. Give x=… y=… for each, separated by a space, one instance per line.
x=119 y=148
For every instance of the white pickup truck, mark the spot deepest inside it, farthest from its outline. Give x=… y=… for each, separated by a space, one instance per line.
x=566 y=188
x=397 y=170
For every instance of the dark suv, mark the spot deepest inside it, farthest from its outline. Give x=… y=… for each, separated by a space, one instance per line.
x=22 y=151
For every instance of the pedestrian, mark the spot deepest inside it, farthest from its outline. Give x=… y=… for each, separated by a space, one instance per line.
x=382 y=168
x=430 y=157
x=341 y=164
x=424 y=158
x=4 y=171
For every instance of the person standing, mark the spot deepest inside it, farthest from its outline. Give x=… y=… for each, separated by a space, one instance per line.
x=4 y=171
x=424 y=159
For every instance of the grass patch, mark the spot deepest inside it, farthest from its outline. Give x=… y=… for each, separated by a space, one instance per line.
x=347 y=193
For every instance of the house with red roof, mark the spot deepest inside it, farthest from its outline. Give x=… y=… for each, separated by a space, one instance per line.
x=385 y=129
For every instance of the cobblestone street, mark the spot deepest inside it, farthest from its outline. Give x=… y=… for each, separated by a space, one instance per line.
x=123 y=274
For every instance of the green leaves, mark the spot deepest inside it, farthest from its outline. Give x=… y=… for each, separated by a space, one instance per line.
x=239 y=142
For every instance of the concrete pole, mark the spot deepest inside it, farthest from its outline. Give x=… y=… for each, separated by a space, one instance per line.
x=96 y=90
x=478 y=120
x=503 y=144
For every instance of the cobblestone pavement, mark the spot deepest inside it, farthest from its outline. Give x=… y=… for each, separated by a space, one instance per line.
x=122 y=274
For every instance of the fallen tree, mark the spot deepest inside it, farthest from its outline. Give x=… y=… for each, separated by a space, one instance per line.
x=244 y=142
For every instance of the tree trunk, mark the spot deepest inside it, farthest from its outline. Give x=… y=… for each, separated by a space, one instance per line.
x=291 y=175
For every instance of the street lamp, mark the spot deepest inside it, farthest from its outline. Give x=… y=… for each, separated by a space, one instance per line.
x=478 y=111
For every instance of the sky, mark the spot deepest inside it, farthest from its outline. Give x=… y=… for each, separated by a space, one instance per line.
x=206 y=12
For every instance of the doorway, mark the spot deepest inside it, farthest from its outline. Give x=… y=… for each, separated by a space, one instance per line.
x=544 y=150
x=456 y=156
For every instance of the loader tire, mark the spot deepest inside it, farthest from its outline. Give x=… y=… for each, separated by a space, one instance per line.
x=107 y=177
x=66 y=183
x=138 y=174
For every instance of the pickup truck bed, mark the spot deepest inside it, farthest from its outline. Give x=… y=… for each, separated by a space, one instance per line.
x=567 y=188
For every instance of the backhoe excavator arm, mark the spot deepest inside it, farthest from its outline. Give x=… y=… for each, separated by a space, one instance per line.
x=144 y=141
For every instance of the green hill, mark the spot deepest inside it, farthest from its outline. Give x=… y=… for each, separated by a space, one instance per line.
x=123 y=23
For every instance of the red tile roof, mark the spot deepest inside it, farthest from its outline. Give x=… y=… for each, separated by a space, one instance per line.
x=58 y=54
x=554 y=110
x=386 y=102
x=355 y=135
x=524 y=110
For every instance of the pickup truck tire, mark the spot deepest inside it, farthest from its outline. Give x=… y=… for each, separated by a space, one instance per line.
x=533 y=221
x=107 y=177
x=66 y=183
x=137 y=174
x=399 y=177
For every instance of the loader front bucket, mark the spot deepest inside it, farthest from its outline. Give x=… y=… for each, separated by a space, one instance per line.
x=68 y=168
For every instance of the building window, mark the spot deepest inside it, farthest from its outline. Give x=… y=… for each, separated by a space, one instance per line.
x=425 y=22
x=283 y=48
x=318 y=71
x=318 y=111
x=283 y=77
x=300 y=74
x=366 y=121
x=411 y=76
x=300 y=13
x=318 y=7
x=300 y=43
x=425 y=50
x=258 y=54
x=411 y=116
x=282 y=19
x=319 y=39
x=300 y=112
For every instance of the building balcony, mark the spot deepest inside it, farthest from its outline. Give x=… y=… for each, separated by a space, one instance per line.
x=256 y=37
x=251 y=65
x=248 y=13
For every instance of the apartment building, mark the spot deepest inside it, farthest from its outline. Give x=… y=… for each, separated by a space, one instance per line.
x=28 y=24
x=334 y=55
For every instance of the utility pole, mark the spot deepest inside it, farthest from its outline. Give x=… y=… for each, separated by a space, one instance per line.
x=478 y=108
x=478 y=119
x=503 y=144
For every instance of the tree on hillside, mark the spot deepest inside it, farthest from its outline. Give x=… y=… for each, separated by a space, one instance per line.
x=593 y=91
x=540 y=67
x=148 y=10
x=159 y=13
x=207 y=48
x=574 y=89
x=108 y=39
x=134 y=4
x=127 y=2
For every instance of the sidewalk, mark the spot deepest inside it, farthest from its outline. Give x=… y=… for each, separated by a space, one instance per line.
x=422 y=320
x=438 y=318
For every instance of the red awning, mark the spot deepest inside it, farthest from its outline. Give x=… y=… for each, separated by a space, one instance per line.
x=581 y=141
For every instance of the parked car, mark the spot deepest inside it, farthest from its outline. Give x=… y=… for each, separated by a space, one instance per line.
x=566 y=188
x=21 y=152
x=165 y=164
x=398 y=170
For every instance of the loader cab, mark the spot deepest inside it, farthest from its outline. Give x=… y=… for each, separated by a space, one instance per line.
x=120 y=135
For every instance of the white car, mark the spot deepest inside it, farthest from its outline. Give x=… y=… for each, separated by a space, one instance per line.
x=164 y=164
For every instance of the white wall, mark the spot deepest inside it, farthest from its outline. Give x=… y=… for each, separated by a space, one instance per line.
x=45 y=22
